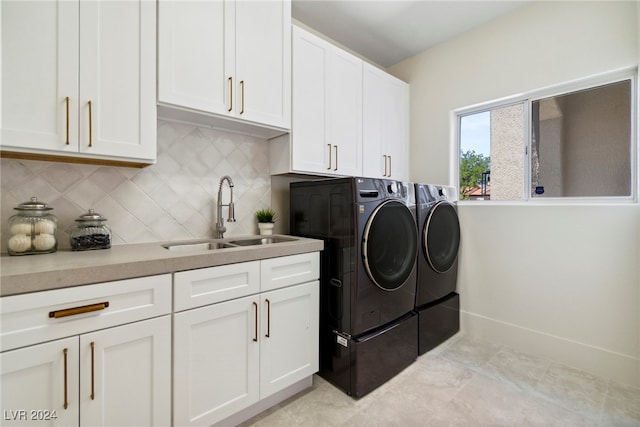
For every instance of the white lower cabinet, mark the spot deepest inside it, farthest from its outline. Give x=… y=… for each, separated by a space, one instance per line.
x=289 y=339
x=40 y=384
x=101 y=355
x=99 y=375
x=230 y=355
x=124 y=375
x=114 y=377
x=215 y=362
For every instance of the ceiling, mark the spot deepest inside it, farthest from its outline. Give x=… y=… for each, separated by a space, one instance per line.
x=389 y=31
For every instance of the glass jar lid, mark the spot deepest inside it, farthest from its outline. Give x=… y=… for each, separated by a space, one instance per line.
x=91 y=216
x=33 y=205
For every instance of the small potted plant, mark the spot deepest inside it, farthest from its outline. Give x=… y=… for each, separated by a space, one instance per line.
x=266 y=218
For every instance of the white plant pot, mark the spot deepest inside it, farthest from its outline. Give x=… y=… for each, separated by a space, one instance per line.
x=266 y=228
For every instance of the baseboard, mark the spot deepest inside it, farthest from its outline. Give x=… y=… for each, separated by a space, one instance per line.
x=267 y=403
x=618 y=367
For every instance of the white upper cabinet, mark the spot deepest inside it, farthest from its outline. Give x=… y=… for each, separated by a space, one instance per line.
x=226 y=59
x=263 y=62
x=385 y=125
x=192 y=66
x=40 y=70
x=308 y=147
x=79 y=79
x=344 y=113
x=117 y=76
x=326 y=137
x=349 y=117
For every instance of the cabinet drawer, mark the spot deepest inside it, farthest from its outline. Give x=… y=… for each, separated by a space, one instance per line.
x=289 y=270
x=43 y=316
x=195 y=288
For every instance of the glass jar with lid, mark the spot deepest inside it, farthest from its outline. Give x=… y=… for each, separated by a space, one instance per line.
x=90 y=232
x=33 y=229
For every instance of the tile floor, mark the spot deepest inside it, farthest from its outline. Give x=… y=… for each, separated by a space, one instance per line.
x=468 y=382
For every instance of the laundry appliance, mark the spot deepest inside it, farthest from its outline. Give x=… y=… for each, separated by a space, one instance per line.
x=437 y=302
x=367 y=278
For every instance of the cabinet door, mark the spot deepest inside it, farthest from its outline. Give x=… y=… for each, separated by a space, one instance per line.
x=289 y=336
x=117 y=104
x=125 y=375
x=344 y=112
x=263 y=62
x=39 y=71
x=385 y=125
x=374 y=157
x=196 y=54
x=310 y=152
x=327 y=107
x=216 y=361
x=41 y=378
x=397 y=130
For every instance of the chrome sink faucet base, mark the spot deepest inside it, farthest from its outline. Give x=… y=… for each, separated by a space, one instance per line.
x=220 y=228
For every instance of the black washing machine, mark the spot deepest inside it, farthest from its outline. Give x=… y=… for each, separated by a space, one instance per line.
x=437 y=302
x=367 y=276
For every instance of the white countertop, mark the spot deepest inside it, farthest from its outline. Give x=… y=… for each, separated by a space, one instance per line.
x=32 y=273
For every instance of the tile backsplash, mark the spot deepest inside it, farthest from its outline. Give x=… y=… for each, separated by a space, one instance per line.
x=172 y=199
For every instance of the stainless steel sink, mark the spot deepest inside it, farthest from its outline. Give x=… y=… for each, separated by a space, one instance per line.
x=261 y=241
x=197 y=246
x=208 y=245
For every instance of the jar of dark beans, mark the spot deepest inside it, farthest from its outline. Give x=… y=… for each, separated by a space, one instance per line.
x=90 y=232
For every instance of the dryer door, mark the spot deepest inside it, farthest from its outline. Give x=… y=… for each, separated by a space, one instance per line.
x=441 y=237
x=390 y=245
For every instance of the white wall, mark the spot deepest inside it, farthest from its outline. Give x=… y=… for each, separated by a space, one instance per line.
x=560 y=281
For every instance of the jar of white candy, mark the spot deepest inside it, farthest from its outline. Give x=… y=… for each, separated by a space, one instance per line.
x=32 y=229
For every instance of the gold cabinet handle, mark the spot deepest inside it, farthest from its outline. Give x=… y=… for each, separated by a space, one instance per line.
x=90 y=125
x=66 y=401
x=329 y=168
x=230 y=93
x=242 y=96
x=336 y=148
x=268 y=334
x=389 y=157
x=384 y=157
x=78 y=310
x=255 y=336
x=67 y=124
x=93 y=392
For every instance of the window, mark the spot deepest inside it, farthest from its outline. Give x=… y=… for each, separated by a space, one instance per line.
x=492 y=147
x=576 y=144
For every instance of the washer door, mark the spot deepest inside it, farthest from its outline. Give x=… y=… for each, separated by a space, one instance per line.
x=441 y=237
x=390 y=245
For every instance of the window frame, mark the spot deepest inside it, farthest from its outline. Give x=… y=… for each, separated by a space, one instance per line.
x=526 y=99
